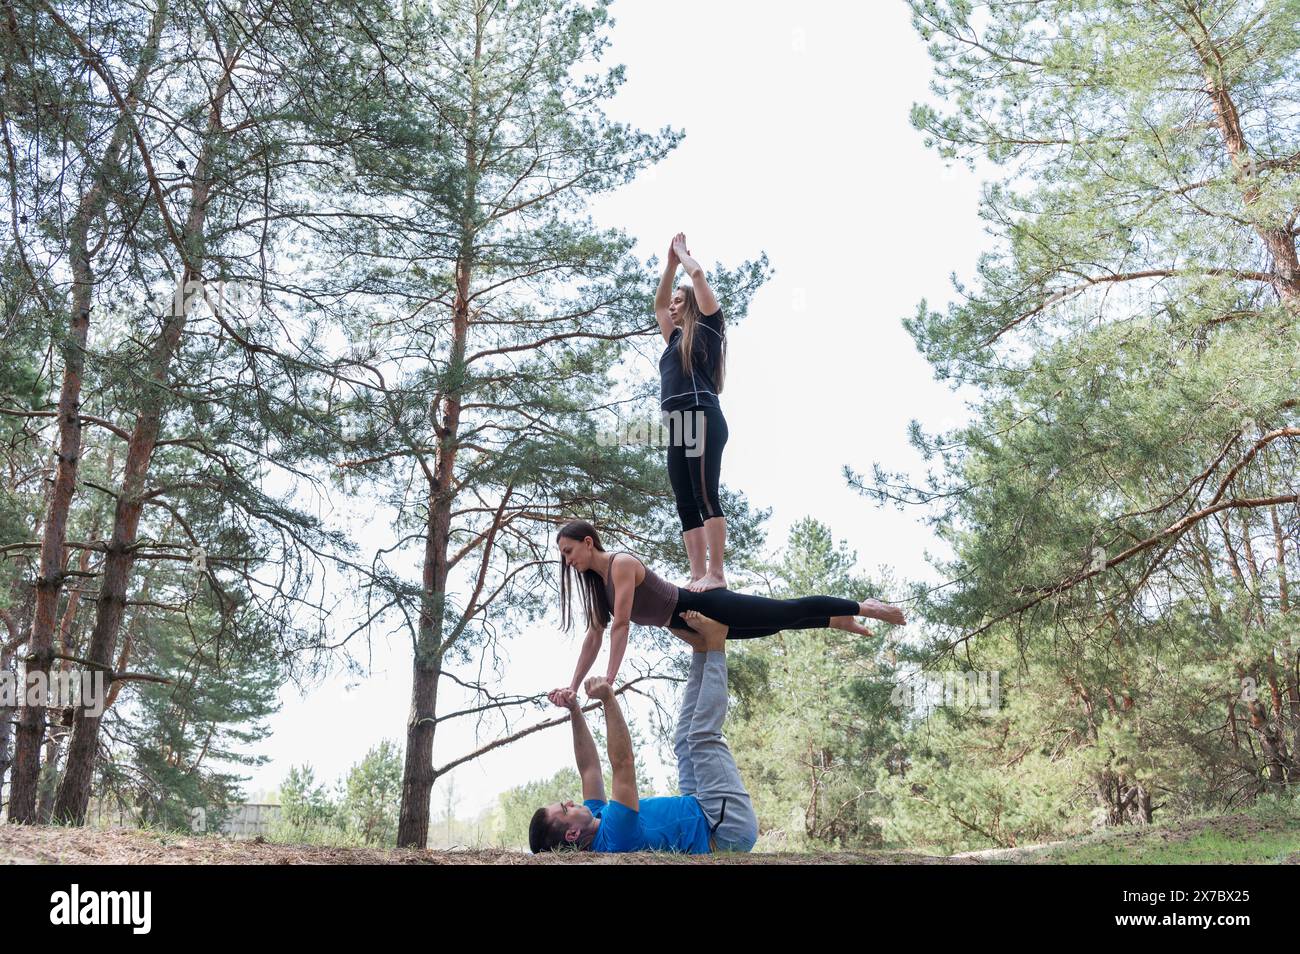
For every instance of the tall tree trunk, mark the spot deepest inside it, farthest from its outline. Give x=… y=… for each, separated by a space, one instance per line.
x=74 y=790
x=67 y=647
x=49 y=580
x=418 y=775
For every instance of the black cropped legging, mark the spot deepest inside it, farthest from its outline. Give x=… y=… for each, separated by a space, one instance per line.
x=696 y=437
x=752 y=616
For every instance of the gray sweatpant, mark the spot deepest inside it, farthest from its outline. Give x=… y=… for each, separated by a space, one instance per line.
x=705 y=767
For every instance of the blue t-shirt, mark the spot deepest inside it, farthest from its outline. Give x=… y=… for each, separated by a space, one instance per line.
x=678 y=390
x=673 y=823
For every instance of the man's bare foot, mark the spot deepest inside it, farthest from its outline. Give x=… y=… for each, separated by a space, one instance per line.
x=874 y=609
x=850 y=625
x=695 y=639
x=709 y=581
x=714 y=633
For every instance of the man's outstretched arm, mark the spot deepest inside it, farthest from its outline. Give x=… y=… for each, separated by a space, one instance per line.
x=584 y=746
x=621 y=762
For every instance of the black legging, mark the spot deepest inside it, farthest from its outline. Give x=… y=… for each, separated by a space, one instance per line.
x=751 y=616
x=696 y=437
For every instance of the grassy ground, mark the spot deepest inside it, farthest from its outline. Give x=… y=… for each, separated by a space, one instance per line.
x=1268 y=833
x=1261 y=836
x=1256 y=837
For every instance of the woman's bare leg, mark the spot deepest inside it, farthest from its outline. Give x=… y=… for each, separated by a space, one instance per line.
x=696 y=551
x=715 y=532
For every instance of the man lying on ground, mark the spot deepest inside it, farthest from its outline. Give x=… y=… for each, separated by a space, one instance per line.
x=713 y=812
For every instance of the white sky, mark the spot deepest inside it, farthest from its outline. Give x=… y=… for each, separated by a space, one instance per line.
x=798 y=144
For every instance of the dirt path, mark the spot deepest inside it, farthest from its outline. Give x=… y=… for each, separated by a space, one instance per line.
x=21 y=844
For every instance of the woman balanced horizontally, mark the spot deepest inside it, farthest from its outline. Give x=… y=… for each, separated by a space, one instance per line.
x=619 y=587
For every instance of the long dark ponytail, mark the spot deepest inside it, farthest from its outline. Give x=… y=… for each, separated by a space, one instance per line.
x=595 y=601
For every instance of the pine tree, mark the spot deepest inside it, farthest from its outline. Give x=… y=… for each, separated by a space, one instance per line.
x=1133 y=339
x=189 y=165
x=374 y=789
x=487 y=357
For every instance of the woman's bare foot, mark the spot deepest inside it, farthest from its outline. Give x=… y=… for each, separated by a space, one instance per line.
x=874 y=609
x=714 y=633
x=850 y=625
x=709 y=581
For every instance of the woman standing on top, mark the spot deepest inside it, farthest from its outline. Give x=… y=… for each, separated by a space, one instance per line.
x=619 y=588
x=691 y=371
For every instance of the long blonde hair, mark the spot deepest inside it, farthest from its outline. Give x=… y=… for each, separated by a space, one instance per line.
x=690 y=322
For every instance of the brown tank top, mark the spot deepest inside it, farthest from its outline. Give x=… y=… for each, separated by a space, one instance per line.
x=653 y=602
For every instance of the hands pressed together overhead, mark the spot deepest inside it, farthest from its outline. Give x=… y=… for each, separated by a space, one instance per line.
x=677 y=249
